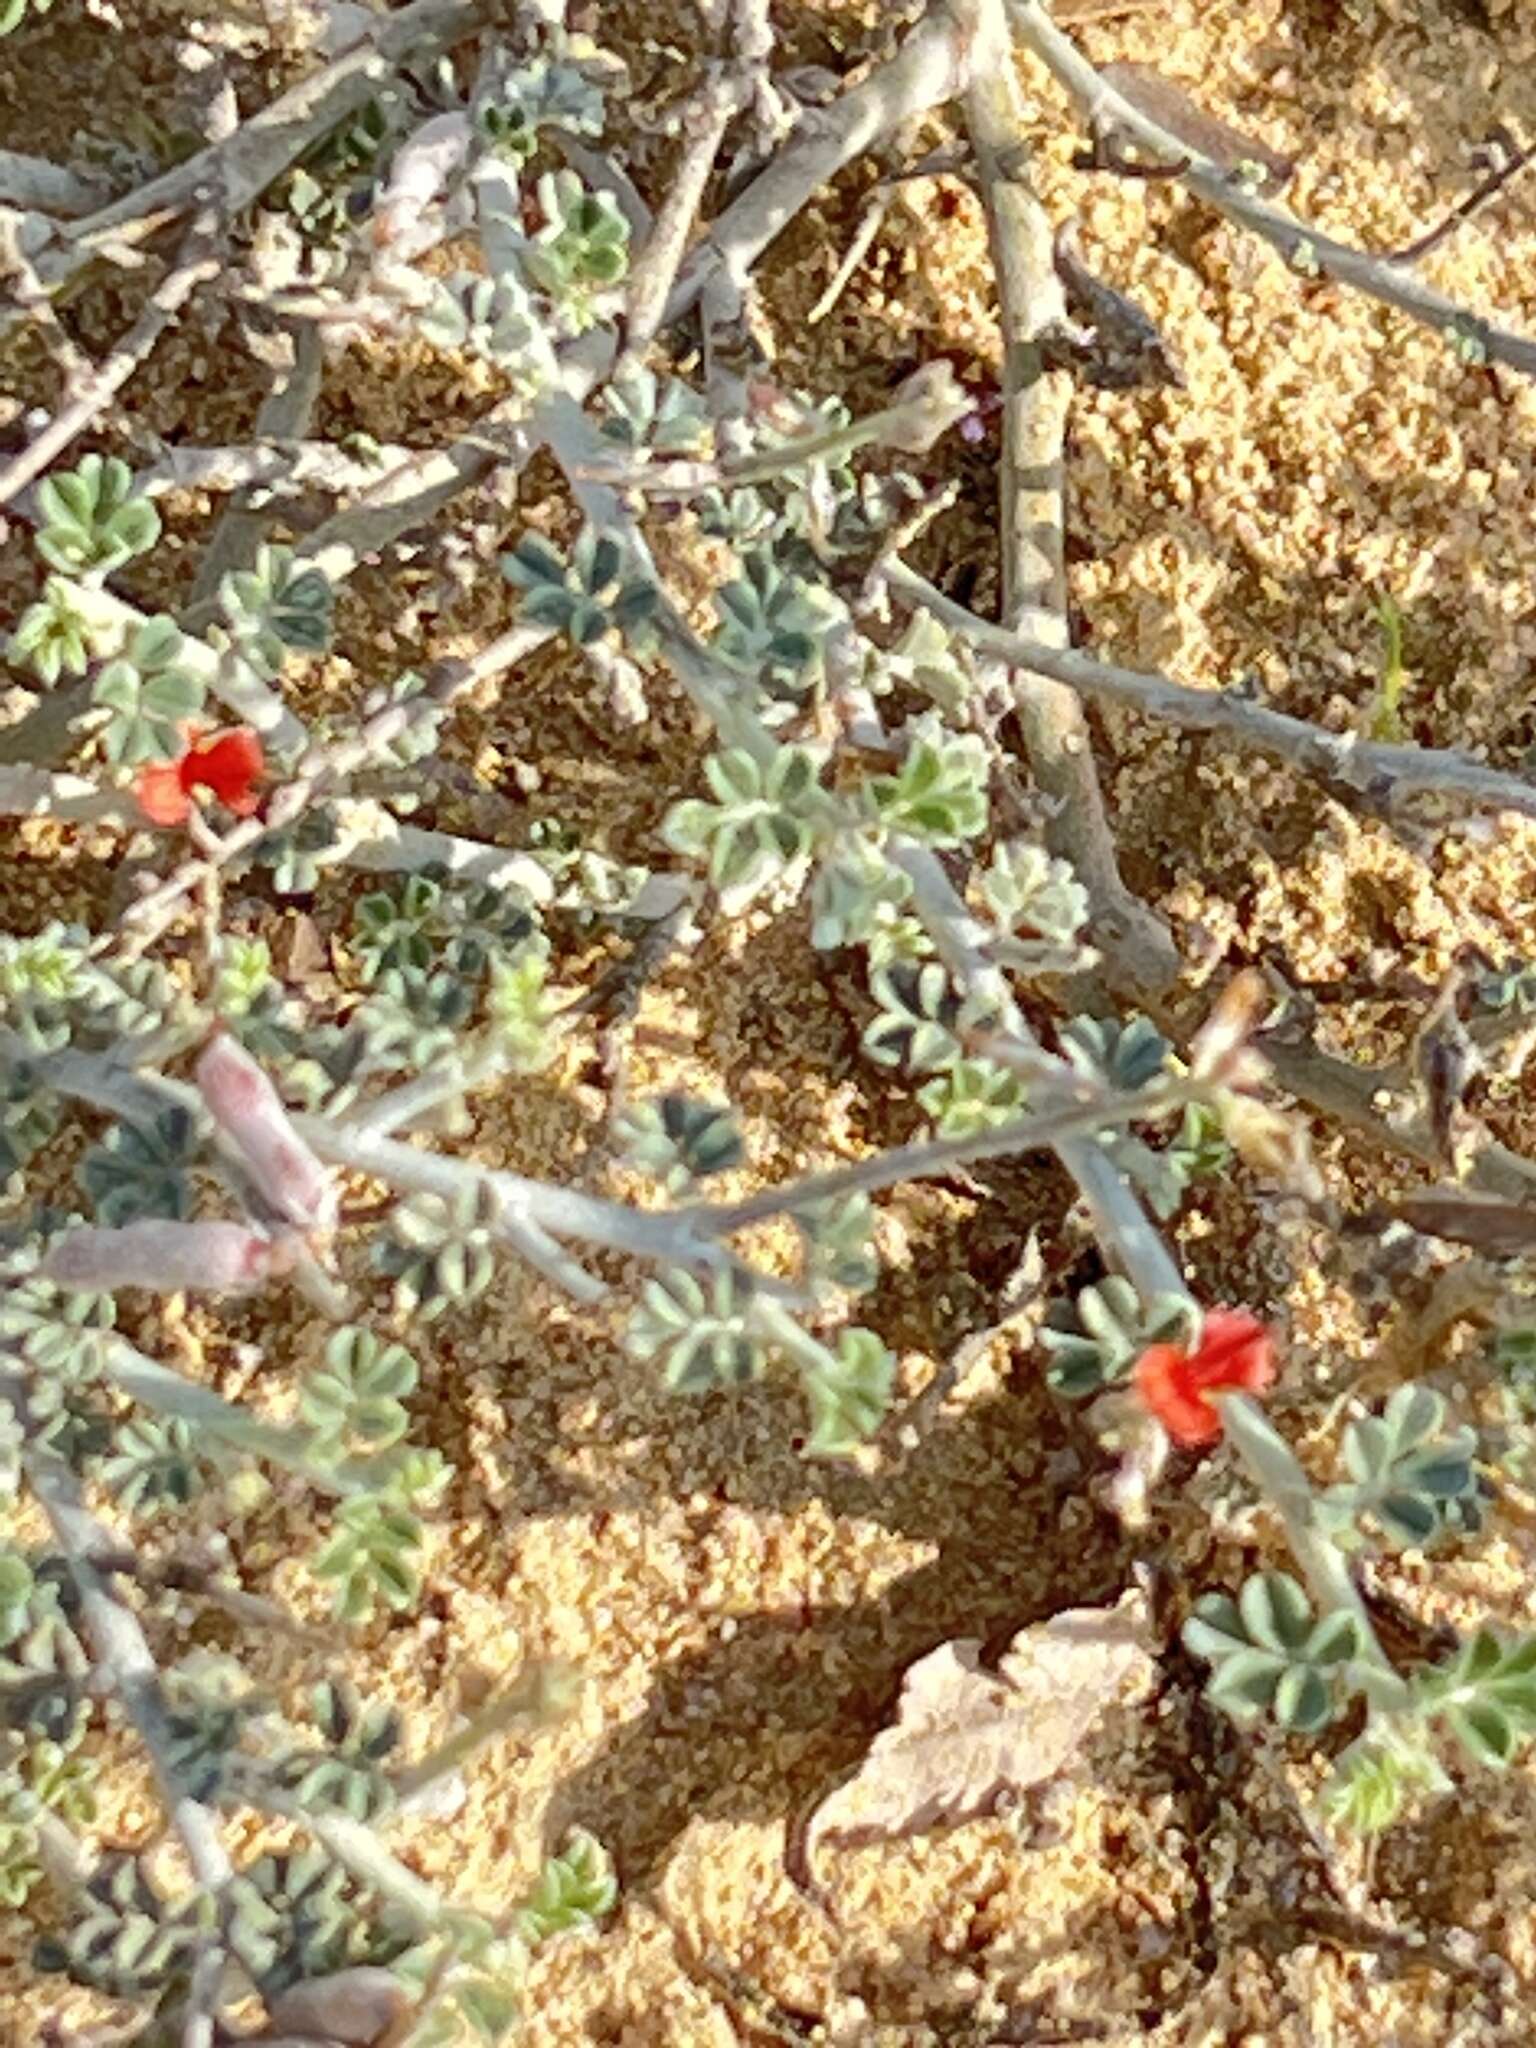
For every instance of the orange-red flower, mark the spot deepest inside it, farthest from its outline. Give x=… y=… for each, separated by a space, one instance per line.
x=1235 y=1355
x=230 y=764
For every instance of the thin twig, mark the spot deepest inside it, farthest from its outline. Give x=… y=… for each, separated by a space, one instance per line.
x=1032 y=487
x=38 y=793
x=199 y=261
x=870 y=223
x=1382 y=774
x=1119 y=1221
x=650 y=282
x=1303 y=247
x=38 y=186
x=1501 y=173
x=929 y=69
x=239 y=169
x=267 y=464
x=540 y=1695
x=124 y=1656
x=284 y=414
x=933 y=1158
x=74 y=365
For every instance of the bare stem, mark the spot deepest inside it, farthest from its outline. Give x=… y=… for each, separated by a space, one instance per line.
x=125 y=1657
x=199 y=261
x=1301 y=246
x=651 y=280
x=929 y=69
x=1380 y=773
x=1032 y=486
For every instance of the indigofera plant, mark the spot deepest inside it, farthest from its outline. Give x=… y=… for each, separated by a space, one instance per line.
x=272 y=1057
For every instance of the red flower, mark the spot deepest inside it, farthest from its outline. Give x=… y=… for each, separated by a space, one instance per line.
x=228 y=763
x=1235 y=1354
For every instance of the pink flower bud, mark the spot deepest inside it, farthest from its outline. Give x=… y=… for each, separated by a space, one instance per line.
x=164 y=1257
x=354 y=2006
x=247 y=1108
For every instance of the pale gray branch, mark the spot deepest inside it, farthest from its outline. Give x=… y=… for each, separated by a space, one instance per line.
x=199 y=261
x=36 y=185
x=1305 y=248
x=1382 y=774
x=284 y=414
x=1032 y=486
x=238 y=170
x=928 y=70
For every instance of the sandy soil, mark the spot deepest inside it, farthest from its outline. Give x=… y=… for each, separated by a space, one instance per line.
x=743 y=1616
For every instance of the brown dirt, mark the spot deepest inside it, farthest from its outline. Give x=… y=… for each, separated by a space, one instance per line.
x=743 y=1616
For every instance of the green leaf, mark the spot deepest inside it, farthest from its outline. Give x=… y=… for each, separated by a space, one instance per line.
x=701 y=1340
x=1408 y=1476
x=850 y=1394
x=973 y=1095
x=680 y=1141
x=1375 y=1777
x=939 y=795
x=1486 y=1695
x=153 y=1464
x=52 y=634
x=144 y=1172
x=594 y=593
x=762 y=825
x=1269 y=1655
x=92 y=522
x=574 y=1890
x=917 y=1014
x=1094 y=1339
x=276 y=606
x=440 y=1253
x=150 y=698
x=355 y=1402
x=371 y=1557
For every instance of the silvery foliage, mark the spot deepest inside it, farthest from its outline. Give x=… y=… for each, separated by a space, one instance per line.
x=449 y=972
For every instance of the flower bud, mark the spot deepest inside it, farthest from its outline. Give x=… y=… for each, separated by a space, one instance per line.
x=247 y=1108
x=353 y=2006
x=164 y=1257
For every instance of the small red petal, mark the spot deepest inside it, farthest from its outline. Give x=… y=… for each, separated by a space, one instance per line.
x=1235 y=1354
x=230 y=764
x=1235 y=1351
x=1162 y=1379
x=160 y=793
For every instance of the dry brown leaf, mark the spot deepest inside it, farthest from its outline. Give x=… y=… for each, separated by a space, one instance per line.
x=305 y=956
x=1172 y=109
x=353 y=2008
x=1501 y=1229
x=965 y=1735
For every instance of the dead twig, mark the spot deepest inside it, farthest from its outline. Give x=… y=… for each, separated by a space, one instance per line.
x=199 y=261
x=1307 y=250
x=929 y=69
x=1035 y=401
x=124 y=1657
x=284 y=414
x=268 y=463
x=705 y=121
x=1507 y=159
x=238 y=169
x=1384 y=775
x=73 y=364
x=38 y=186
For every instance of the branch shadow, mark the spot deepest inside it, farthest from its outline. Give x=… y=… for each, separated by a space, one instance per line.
x=813 y=1683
